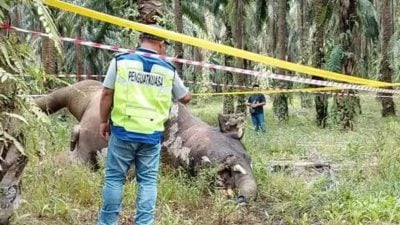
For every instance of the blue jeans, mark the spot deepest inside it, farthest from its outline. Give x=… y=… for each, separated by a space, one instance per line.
x=121 y=154
x=258 y=121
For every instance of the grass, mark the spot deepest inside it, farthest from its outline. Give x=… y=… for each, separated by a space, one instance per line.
x=362 y=188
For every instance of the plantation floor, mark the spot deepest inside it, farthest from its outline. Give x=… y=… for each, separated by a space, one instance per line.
x=361 y=187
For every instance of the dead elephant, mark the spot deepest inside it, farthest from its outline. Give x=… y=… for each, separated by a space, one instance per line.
x=188 y=140
x=83 y=101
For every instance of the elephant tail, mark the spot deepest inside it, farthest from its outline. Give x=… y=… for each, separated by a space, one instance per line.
x=75 y=137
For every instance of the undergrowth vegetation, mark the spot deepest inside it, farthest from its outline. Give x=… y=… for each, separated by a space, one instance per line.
x=360 y=187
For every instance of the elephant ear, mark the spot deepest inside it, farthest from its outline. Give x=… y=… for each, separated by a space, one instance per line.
x=232 y=124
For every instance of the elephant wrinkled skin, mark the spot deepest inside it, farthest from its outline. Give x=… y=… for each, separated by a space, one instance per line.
x=188 y=141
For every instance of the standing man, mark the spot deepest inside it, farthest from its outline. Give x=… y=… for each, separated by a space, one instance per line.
x=256 y=103
x=137 y=95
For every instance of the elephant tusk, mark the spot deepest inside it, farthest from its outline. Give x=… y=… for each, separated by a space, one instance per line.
x=205 y=159
x=240 y=169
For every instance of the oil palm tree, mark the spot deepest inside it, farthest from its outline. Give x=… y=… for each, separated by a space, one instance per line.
x=15 y=58
x=280 y=104
x=321 y=100
x=345 y=105
x=356 y=21
x=179 y=28
x=388 y=108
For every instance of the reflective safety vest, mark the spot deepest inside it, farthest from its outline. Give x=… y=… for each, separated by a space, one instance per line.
x=142 y=100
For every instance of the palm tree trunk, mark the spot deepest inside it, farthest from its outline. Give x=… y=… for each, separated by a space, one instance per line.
x=238 y=35
x=273 y=30
x=49 y=61
x=280 y=104
x=12 y=166
x=179 y=28
x=78 y=56
x=229 y=101
x=197 y=69
x=149 y=10
x=388 y=107
x=12 y=161
x=321 y=100
x=49 y=56
x=305 y=98
x=345 y=105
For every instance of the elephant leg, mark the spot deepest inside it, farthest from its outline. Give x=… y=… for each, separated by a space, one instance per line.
x=86 y=147
x=87 y=156
x=75 y=137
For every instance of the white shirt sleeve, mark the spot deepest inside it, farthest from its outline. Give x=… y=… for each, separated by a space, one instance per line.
x=179 y=90
x=109 y=80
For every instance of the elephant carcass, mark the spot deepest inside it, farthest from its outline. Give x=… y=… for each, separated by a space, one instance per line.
x=83 y=101
x=190 y=142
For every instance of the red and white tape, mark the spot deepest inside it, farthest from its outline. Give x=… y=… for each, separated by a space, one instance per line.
x=87 y=76
x=263 y=90
x=332 y=93
x=213 y=66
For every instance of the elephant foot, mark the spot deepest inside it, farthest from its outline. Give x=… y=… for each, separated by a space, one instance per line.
x=241 y=200
x=87 y=159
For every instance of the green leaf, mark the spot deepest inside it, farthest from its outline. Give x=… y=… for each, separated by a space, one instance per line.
x=19 y=117
x=4 y=76
x=4 y=50
x=4 y=5
x=15 y=142
x=50 y=27
x=3 y=96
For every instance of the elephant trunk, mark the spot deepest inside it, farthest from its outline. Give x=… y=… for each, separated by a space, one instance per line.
x=53 y=102
x=247 y=187
x=75 y=97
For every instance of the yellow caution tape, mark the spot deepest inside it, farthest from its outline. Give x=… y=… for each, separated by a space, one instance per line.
x=212 y=46
x=277 y=91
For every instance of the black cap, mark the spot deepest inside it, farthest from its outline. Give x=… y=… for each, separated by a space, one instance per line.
x=153 y=37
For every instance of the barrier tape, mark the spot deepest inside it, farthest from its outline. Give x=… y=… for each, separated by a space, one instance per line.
x=270 y=75
x=277 y=91
x=211 y=45
x=281 y=91
x=88 y=76
x=323 y=90
x=319 y=91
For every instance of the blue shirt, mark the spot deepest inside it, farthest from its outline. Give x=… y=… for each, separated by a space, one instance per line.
x=178 y=92
x=256 y=98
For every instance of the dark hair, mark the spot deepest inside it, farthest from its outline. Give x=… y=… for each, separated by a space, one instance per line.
x=147 y=36
x=255 y=85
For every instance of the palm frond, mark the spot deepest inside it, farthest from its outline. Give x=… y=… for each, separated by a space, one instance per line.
x=195 y=15
x=324 y=17
x=48 y=24
x=4 y=5
x=368 y=19
x=334 y=59
x=216 y=6
x=261 y=13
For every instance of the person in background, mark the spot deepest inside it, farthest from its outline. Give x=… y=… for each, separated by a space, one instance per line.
x=256 y=103
x=136 y=100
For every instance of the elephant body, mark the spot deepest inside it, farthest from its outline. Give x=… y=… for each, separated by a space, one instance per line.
x=188 y=141
x=83 y=101
x=192 y=143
